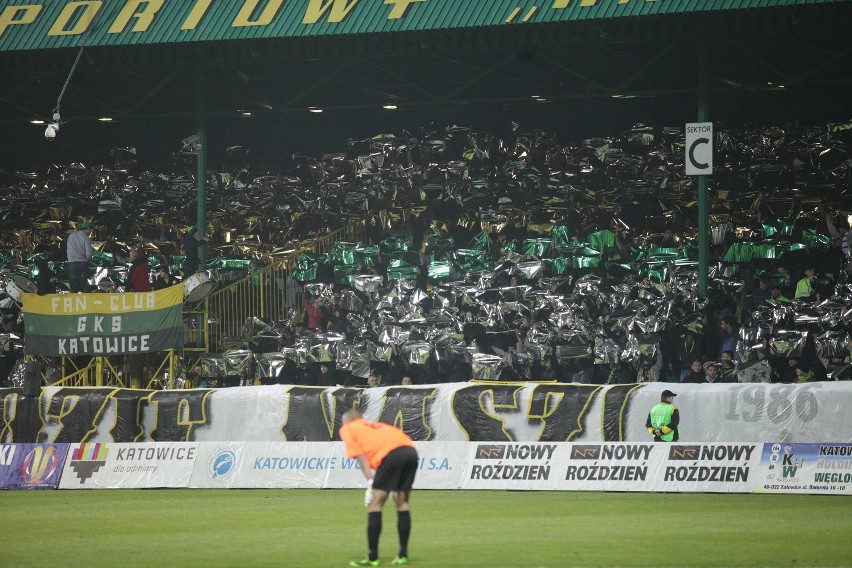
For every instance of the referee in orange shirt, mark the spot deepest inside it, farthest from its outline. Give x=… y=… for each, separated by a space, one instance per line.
x=391 y=453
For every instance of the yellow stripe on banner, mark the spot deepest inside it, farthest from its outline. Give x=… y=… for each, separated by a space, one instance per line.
x=103 y=303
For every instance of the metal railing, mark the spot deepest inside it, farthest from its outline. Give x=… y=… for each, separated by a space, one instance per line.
x=147 y=371
x=269 y=293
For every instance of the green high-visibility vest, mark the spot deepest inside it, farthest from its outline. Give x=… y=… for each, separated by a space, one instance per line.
x=661 y=415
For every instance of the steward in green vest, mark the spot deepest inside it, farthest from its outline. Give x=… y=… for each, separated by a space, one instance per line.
x=663 y=419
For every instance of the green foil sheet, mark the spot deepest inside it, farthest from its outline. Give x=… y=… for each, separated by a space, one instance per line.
x=602 y=240
x=437 y=245
x=343 y=253
x=469 y=258
x=394 y=244
x=443 y=270
x=557 y=266
x=402 y=273
x=778 y=228
x=100 y=258
x=539 y=248
x=367 y=256
x=816 y=241
x=585 y=262
x=559 y=236
x=481 y=242
x=344 y=274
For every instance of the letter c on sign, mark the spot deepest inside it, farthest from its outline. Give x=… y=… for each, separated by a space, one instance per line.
x=695 y=144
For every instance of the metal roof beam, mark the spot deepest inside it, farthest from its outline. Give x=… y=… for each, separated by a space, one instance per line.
x=573 y=73
x=156 y=89
x=756 y=57
x=396 y=76
x=830 y=61
x=328 y=77
x=648 y=65
x=478 y=77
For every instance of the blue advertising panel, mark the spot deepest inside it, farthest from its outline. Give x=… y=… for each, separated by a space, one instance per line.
x=31 y=466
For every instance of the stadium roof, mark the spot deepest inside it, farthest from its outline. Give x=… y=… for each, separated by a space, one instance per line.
x=29 y=25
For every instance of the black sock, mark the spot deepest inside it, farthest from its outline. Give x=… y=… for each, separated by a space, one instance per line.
x=403 y=525
x=374 y=529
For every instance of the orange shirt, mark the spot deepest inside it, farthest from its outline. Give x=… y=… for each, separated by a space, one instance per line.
x=372 y=439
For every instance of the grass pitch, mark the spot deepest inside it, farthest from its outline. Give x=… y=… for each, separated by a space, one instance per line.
x=306 y=528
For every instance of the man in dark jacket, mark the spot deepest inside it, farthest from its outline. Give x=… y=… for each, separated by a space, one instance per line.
x=191 y=243
x=696 y=374
x=759 y=294
x=44 y=283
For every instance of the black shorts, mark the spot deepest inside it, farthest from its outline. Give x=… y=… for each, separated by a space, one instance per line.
x=396 y=472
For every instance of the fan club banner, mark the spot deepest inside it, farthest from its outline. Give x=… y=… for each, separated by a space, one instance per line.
x=103 y=324
x=458 y=412
x=31 y=466
x=805 y=468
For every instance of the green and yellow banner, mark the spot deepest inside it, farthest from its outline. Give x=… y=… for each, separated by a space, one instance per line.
x=59 y=325
x=45 y=24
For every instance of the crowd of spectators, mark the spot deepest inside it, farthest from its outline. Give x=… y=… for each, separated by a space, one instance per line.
x=534 y=327
x=513 y=259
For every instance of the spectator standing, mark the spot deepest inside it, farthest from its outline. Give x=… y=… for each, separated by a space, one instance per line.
x=339 y=322
x=44 y=283
x=759 y=294
x=551 y=370
x=139 y=279
x=192 y=241
x=664 y=418
x=804 y=287
x=712 y=339
x=314 y=312
x=727 y=336
x=788 y=286
x=326 y=376
x=79 y=251
x=394 y=371
x=164 y=278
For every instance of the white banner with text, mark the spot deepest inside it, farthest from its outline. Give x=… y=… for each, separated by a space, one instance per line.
x=609 y=466
x=721 y=468
x=314 y=465
x=126 y=466
x=530 y=413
